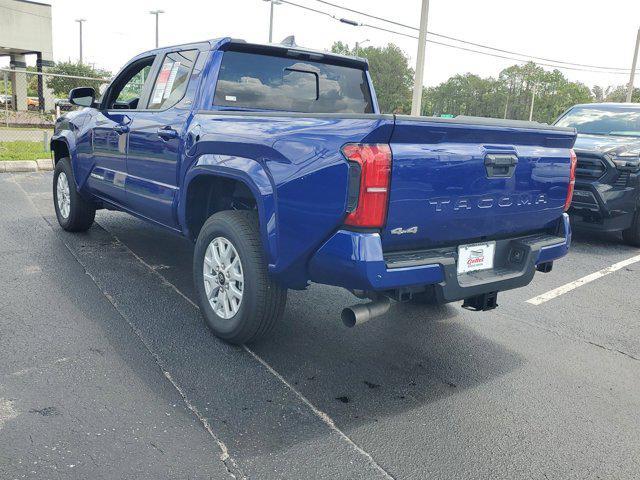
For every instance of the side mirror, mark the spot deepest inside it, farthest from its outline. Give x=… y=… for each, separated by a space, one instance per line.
x=82 y=96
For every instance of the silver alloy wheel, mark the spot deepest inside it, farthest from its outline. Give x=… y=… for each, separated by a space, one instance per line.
x=63 y=195
x=223 y=277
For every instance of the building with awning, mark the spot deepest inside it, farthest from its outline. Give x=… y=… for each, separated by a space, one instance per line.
x=25 y=29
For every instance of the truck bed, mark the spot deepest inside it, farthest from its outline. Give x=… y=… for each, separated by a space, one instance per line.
x=440 y=192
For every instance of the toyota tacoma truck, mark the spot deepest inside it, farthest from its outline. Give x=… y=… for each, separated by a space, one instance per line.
x=277 y=163
x=607 y=191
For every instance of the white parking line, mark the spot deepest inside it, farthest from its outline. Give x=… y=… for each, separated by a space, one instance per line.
x=556 y=292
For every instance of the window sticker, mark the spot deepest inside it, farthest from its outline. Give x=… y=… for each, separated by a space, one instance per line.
x=161 y=83
x=172 y=78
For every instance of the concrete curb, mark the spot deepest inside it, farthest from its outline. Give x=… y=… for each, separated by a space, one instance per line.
x=19 y=166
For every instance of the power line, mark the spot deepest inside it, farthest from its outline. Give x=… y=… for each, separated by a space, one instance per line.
x=458 y=47
x=468 y=42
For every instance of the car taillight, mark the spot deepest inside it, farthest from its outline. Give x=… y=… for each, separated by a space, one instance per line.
x=374 y=164
x=572 y=179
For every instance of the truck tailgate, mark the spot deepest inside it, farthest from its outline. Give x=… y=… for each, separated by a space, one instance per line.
x=463 y=180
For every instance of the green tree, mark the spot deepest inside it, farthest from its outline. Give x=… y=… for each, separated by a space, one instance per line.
x=466 y=94
x=619 y=94
x=62 y=85
x=508 y=96
x=391 y=75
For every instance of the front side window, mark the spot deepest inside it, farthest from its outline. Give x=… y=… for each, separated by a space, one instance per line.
x=126 y=90
x=254 y=81
x=133 y=88
x=172 y=80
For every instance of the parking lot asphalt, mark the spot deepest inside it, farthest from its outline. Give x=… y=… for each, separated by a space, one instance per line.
x=107 y=370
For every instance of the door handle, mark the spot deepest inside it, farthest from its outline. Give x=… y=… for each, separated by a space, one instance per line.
x=120 y=129
x=167 y=133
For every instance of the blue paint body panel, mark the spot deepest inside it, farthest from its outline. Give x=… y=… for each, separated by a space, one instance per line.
x=355 y=260
x=293 y=166
x=554 y=252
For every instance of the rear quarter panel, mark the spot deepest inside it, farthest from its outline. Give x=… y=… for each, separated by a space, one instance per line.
x=302 y=160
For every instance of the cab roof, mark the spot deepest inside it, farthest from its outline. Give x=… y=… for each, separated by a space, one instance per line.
x=234 y=44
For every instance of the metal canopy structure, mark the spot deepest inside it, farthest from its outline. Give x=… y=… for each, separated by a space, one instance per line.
x=25 y=29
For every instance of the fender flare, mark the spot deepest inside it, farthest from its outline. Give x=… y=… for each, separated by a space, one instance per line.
x=254 y=176
x=69 y=140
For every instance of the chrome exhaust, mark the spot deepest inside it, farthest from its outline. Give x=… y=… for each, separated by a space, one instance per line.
x=363 y=312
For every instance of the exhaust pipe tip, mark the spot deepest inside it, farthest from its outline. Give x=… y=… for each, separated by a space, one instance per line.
x=363 y=312
x=348 y=317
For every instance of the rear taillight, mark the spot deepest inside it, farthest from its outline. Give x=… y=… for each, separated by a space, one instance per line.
x=572 y=179
x=374 y=164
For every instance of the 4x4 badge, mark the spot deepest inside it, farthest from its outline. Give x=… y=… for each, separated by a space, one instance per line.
x=402 y=231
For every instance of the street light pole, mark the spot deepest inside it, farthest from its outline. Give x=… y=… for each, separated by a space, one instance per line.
x=416 y=103
x=272 y=3
x=157 y=14
x=80 y=22
x=633 y=68
x=533 y=99
x=271 y=22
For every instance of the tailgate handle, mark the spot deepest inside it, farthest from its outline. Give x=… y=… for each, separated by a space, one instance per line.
x=500 y=165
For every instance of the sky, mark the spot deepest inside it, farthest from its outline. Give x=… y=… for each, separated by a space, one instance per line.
x=591 y=32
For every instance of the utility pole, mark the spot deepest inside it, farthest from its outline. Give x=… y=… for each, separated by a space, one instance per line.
x=533 y=99
x=6 y=99
x=633 y=68
x=80 y=22
x=272 y=2
x=506 y=106
x=157 y=14
x=416 y=102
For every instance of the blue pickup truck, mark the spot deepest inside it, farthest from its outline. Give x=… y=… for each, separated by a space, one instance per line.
x=277 y=163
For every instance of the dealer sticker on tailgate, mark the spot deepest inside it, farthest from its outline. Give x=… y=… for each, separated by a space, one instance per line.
x=474 y=257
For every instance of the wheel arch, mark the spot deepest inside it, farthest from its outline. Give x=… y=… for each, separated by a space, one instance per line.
x=62 y=145
x=217 y=183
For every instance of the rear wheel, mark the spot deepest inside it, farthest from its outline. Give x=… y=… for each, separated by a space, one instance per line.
x=632 y=234
x=74 y=213
x=238 y=299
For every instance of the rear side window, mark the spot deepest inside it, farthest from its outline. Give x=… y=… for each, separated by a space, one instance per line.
x=172 y=80
x=248 y=80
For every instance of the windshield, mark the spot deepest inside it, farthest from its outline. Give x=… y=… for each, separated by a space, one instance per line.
x=603 y=120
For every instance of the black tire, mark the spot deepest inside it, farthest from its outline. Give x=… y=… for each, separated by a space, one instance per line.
x=263 y=301
x=81 y=213
x=631 y=235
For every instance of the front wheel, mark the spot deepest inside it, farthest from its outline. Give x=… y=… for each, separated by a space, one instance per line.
x=74 y=213
x=238 y=299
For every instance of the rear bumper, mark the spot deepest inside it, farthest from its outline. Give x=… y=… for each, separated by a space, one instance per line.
x=356 y=261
